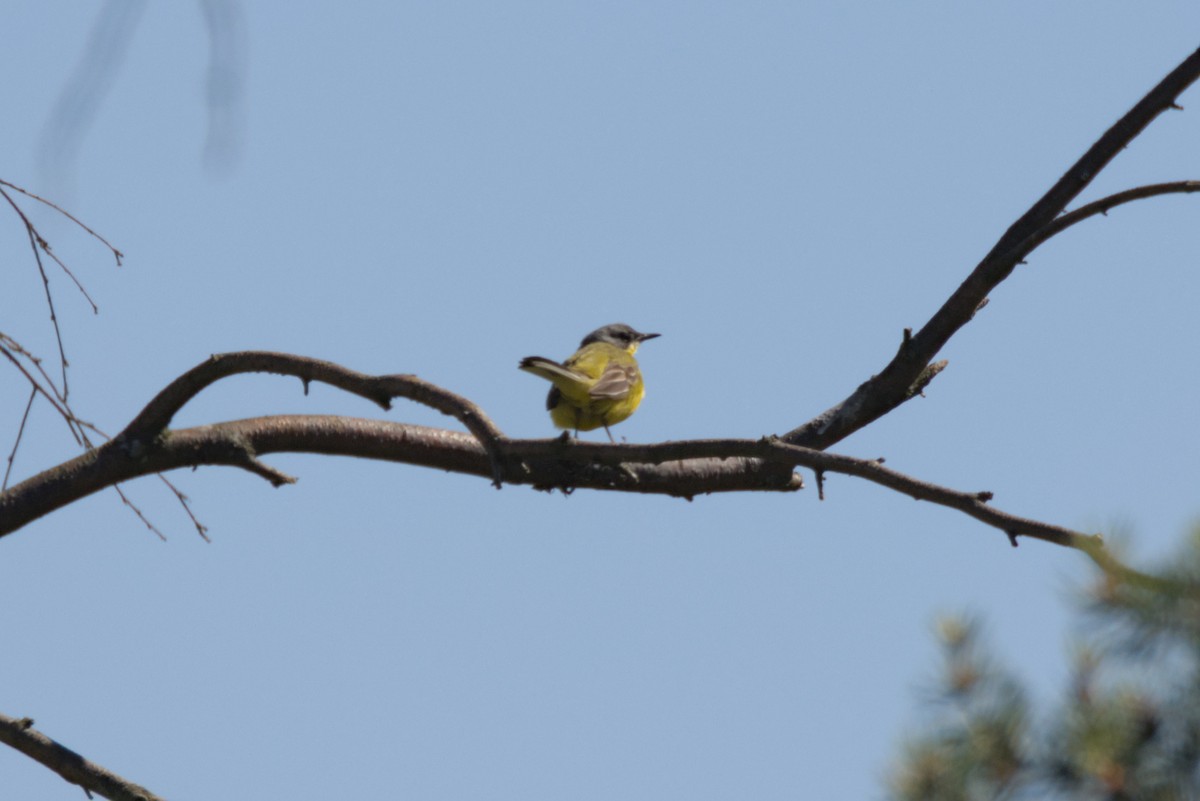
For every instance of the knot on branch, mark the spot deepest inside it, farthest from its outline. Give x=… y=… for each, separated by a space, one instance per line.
x=132 y=447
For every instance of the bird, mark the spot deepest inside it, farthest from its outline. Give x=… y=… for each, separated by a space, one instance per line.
x=599 y=385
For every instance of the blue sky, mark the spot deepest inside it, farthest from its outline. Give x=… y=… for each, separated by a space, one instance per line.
x=778 y=188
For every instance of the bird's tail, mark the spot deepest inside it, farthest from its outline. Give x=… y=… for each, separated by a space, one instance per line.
x=562 y=377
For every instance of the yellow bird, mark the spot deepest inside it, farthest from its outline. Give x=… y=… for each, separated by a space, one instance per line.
x=600 y=385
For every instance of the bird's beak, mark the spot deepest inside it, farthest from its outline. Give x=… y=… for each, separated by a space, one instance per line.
x=644 y=337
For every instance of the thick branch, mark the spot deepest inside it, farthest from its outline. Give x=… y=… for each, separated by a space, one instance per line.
x=93 y=778
x=239 y=444
x=893 y=385
x=673 y=468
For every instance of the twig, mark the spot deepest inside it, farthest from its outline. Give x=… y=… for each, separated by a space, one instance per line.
x=35 y=240
x=17 y=443
x=118 y=255
x=44 y=244
x=133 y=507
x=38 y=244
x=201 y=529
x=11 y=349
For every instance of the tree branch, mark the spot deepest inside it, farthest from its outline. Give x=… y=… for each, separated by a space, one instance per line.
x=20 y=734
x=685 y=468
x=681 y=469
x=154 y=419
x=549 y=464
x=891 y=387
x=775 y=450
x=118 y=255
x=39 y=245
x=1101 y=206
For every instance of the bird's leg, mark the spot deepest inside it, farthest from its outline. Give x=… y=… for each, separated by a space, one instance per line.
x=610 y=436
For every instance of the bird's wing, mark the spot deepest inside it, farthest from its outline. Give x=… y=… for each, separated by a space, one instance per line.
x=614 y=382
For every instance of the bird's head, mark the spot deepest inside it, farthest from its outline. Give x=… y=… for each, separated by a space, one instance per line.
x=619 y=334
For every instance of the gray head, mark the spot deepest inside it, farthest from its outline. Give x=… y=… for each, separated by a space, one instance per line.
x=618 y=334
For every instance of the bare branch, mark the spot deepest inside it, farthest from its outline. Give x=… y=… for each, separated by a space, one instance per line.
x=1101 y=206
x=39 y=245
x=379 y=389
x=118 y=255
x=682 y=469
x=892 y=386
x=550 y=464
x=20 y=734
x=36 y=243
x=157 y=414
x=40 y=242
x=771 y=449
x=675 y=468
